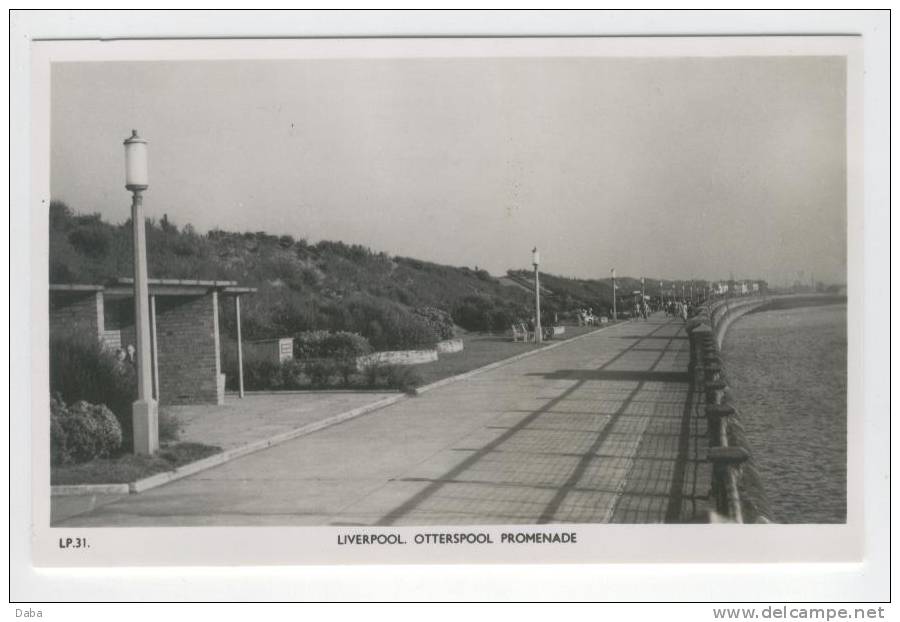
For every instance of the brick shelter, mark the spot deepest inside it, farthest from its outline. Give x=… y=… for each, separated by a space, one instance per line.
x=186 y=352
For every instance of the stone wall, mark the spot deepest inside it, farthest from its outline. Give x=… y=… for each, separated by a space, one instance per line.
x=449 y=345
x=188 y=350
x=725 y=314
x=77 y=312
x=398 y=357
x=736 y=491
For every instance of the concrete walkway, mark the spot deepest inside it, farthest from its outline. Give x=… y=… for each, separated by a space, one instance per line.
x=262 y=415
x=603 y=429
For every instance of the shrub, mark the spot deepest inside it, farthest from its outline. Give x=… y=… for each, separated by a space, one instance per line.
x=484 y=313
x=82 y=369
x=310 y=344
x=293 y=375
x=320 y=371
x=169 y=426
x=401 y=377
x=262 y=375
x=82 y=432
x=327 y=354
x=59 y=452
x=388 y=325
x=60 y=215
x=373 y=374
x=91 y=240
x=61 y=272
x=439 y=321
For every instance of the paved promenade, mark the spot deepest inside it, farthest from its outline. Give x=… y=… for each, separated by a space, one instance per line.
x=263 y=415
x=602 y=429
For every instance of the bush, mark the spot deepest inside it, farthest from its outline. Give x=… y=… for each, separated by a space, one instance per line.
x=388 y=325
x=82 y=369
x=485 y=313
x=317 y=344
x=82 y=432
x=59 y=452
x=91 y=240
x=400 y=377
x=320 y=371
x=439 y=321
x=60 y=215
x=169 y=426
x=328 y=354
x=293 y=375
x=262 y=375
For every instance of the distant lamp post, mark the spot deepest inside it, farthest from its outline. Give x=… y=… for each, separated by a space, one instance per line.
x=613 y=272
x=536 y=261
x=144 y=412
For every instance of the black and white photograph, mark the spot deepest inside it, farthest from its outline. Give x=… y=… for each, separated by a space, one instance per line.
x=422 y=300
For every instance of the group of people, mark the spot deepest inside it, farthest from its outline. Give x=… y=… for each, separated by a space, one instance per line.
x=641 y=310
x=546 y=328
x=672 y=308
x=126 y=355
x=586 y=317
x=677 y=308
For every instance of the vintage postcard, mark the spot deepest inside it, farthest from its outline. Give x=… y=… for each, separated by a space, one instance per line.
x=461 y=300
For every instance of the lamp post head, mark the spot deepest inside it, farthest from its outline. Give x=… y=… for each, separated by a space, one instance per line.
x=535 y=257
x=136 y=177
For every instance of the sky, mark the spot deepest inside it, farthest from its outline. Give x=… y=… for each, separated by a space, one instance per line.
x=671 y=168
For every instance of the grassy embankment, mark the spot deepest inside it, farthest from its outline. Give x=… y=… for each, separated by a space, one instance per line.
x=481 y=350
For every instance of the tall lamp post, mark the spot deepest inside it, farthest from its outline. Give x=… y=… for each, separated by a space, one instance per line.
x=614 y=316
x=538 y=330
x=144 y=412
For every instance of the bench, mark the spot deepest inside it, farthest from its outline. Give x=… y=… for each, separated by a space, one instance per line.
x=519 y=332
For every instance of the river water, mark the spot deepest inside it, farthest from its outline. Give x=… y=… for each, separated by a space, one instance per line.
x=788 y=369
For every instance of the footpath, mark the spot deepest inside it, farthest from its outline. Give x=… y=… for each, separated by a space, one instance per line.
x=599 y=429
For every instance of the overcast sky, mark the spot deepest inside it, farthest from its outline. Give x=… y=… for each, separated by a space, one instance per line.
x=672 y=168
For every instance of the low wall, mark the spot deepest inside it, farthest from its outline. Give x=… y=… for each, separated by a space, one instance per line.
x=449 y=345
x=398 y=357
x=726 y=313
x=410 y=357
x=736 y=491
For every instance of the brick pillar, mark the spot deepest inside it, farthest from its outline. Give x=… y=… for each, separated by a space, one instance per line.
x=77 y=312
x=188 y=341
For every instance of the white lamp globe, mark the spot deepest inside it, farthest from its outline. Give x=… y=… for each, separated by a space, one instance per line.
x=136 y=177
